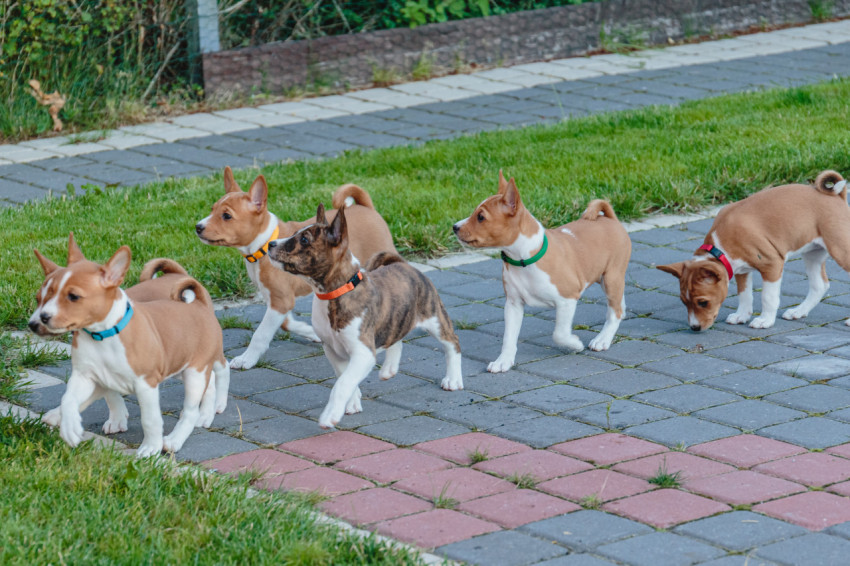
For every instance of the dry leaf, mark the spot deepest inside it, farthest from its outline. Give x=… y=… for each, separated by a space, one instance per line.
x=54 y=101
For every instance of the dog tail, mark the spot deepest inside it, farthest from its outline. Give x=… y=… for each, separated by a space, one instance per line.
x=831 y=183
x=353 y=192
x=381 y=259
x=597 y=206
x=160 y=265
x=188 y=289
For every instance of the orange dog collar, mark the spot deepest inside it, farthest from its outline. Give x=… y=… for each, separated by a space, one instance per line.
x=257 y=255
x=349 y=286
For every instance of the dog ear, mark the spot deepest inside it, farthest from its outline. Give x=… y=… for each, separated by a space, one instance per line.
x=75 y=254
x=338 y=229
x=230 y=184
x=112 y=273
x=674 y=269
x=510 y=198
x=708 y=274
x=503 y=185
x=321 y=219
x=46 y=265
x=259 y=193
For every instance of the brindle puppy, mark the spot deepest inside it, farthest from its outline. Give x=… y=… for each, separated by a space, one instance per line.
x=357 y=313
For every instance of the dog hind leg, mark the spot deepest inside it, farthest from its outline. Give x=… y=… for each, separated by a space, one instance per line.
x=615 y=292
x=769 y=303
x=440 y=327
x=815 y=261
x=195 y=384
x=392 y=359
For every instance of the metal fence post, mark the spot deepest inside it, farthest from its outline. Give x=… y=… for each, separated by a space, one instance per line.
x=202 y=35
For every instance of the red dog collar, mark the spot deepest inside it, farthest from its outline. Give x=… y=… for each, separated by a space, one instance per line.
x=352 y=283
x=720 y=256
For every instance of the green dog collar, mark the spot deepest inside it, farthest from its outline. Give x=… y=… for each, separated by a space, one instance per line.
x=532 y=259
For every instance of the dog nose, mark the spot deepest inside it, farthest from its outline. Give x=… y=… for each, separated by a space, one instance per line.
x=45 y=318
x=696 y=327
x=272 y=244
x=199 y=228
x=456 y=228
x=33 y=324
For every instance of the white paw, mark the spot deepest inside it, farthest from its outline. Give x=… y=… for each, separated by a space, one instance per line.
x=570 y=341
x=53 y=416
x=149 y=449
x=452 y=383
x=762 y=322
x=794 y=314
x=738 y=318
x=847 y=322
x=330 y=417
x=354 y=406
x=501 y=364
x=600 y=343
x=312 y=336
x=171 y=443
x=221 y=405
x=205 y=419
x=112 y=426
x=71 y=428
x=387 y=372
x=245 y=361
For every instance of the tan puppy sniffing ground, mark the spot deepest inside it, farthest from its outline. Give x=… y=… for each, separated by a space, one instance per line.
x=759 y=234
x=551 y=267
x=359 y=312
x=243 y=221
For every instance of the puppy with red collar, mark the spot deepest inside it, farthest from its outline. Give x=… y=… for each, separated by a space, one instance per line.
x=243 y=221
x=760 y=233
x=551 y=267
x=358 y=312
x=123 y=346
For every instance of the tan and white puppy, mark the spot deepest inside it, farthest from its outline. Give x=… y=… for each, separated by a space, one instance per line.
x=359 y=312
x=126 y=346
x=761 y=233
x=551 y=267
x=243 y=221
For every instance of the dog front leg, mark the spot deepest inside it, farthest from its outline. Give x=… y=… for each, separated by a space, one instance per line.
x=151 y=419
x=513 y=322
x=118 y=413
x=291 y=324
x=745 y=299
x=769 y=304
x=53 y=417
x=260 y=341
x=565 y=310
x=80 y=389
x=222 y=384
x=359 y=365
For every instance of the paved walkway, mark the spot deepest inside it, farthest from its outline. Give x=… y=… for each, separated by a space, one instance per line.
x=550 y=462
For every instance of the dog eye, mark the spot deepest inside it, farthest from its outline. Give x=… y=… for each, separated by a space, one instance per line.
x=702 y=304
x=481 y=217
x=226 y=216
x=304 y=241
x=73 y=297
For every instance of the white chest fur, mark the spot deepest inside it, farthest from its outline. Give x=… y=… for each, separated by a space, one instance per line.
x=530 y=284
x=105 y=363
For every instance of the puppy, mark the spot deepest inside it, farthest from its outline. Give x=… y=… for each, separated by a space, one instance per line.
x=124 y=346
x=357 y=312
x=760 y=233
x=243 y=221
x=551 y=267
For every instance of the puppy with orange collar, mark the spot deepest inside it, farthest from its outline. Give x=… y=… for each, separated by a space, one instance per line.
x=551 y=267
x=243 y=221
x=124 y=346
x=358 y=312
x=760 y=233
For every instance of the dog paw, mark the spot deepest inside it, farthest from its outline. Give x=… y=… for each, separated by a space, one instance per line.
x=500 y=365
x=205 y=419
x=113 y=426
x=71 y=429
x=171 y=443
x=387 y=372
x=600 y=343
x=762 y=322
x=737 y=318
x=52 y=417
x=354 y=406
x=148 y=449
x=329 y=418
x=245 y=361
x=452 y=383
x=220 y=405
x=570 y=341
x=794 y=314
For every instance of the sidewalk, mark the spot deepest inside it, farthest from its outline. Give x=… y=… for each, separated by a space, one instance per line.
x=548 y=463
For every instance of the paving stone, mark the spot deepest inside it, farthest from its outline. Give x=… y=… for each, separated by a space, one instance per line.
x=392 y=465
x=749 y=414
x=695 y=341
x=626 y=382
x=429 y=398
x=336 y=446
x=757 y=353
x=754 y=383
x=373 y=412
x=601 y=485
x=687 y=466
x=508 y=548
x=814 y=339
x=746 y=450
x=373 y=505
x=277 y=430
x=814 y=367
x=576 y=560
x=585 y=530
x=542 y=465
x=556 y=369
x=743 y=487
x=269 y=462
x=557 y=398
x=814 y=548
x=502 y=384
x=814 y=510
x=636 y=352
x=812 y=432
x=486 y=415
x=511 y=509
x=459 y=484
x=435 y=528
x=681 y=431
x=618 y=414
x=665 y=508
x=643 y=327
x=544 y=431
x=841 y=529
x=693 y=367
x=463 y=448
x=740 y=531
x=813 y=468
x=659 y=549
x=482 y=347
x=324 y=481
x=240 y=411
x=205 y=445
x=814 y=398
x=412 y=430
x=687 y=398
x=606 y=449
x=296 y=399
x=477 y=290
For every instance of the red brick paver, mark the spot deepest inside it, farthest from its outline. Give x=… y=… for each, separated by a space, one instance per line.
x=541 y=464
x=518 y=507
x=323 y=480
x=461 y=484
x=606 y=485
x=813 y=468
x=435 y=528
x=270 y=462
x=665 y=508
x=606 y=449
x=746 y=450
x=460 y=448
x=373 y=505
x=336 y=446
x=690 y=467
x=814 y=510
x=392 y=465
x=743 y=487
x=842 y=450
x=842 y=488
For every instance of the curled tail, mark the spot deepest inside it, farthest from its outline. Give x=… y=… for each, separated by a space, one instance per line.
x=160 y=265
x=381 y=259
x=597 y=206
x=831 y=183
x=358 y=195
x=188 y=289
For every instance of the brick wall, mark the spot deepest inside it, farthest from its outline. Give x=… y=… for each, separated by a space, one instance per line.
x=498 y=40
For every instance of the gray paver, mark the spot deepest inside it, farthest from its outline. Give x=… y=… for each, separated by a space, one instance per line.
x=750 y=414
x=815 y=548
x=814 y=398
x=278 y=430
x=373 y=412
x=556 y=369
x=618 y=414
x=636 y=352
x=486 y=415
x=687 y=398
x=585 y=530
x=206 y=445
x=740 y=530
x=659 y=549
x=814 y=367
x=557 y=398
x=544 y=431
x=685 y=431
x=693 y=367
x=626 y=382
x=295 y=399
x=754 y=383
x=812 y=432
x=507 y=548
x=757 y=353
x=412 y=430
x=576 y=560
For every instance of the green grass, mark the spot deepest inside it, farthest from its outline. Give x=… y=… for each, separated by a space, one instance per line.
x=523 y=481
x=663 y=478
x=645 y=161
x=97 y=506
x=16 y=355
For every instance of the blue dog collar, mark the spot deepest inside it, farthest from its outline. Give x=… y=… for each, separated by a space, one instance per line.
x=98 y=336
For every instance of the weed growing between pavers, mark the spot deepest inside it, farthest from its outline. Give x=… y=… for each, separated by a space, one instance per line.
x=663 y=478
x=90 y=505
